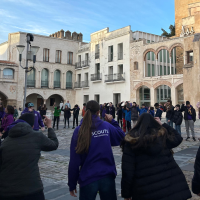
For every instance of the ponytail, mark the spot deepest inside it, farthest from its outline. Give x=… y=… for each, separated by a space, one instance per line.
x=84 y=134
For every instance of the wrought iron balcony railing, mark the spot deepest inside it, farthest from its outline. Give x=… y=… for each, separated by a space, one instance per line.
x=96 y=77
x=77 y=84
x=56 y=84
x=115 y=77
x=30 y=83
x=44 y=83
x=78 y=65
x=68 y=85
x=85 y=84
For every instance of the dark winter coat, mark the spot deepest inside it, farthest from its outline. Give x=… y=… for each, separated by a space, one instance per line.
x=119 y=113
x=196 y=177
x=184 y=108
x=159 y=113
x=43 y=112
x=75 y=112
x=134 y=113
x=19 y=156
x=112 y=111
x=169 y=113
x=67 y=113
x=153 y=174
x=178 y=117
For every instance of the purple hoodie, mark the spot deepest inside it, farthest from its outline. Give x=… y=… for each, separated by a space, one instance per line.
x=99 y=161
x=2 y=113
x=7 y=121
x=38 y=119
x=15 y=123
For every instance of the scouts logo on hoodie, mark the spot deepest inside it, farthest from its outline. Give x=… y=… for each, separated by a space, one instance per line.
x=100 y=133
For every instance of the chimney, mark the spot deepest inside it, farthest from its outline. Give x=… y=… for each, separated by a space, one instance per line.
x=61 y=33
x=74 y=36
x=68 y=35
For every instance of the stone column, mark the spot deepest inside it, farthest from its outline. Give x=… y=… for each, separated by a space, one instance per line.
x=170 y=62
x=156 y=67
x=39 y=79
x=45 y=100
x=174 y=95
x=152 y=96
x=144 y=68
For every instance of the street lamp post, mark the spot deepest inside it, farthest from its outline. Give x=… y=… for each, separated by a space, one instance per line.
x=33 y=50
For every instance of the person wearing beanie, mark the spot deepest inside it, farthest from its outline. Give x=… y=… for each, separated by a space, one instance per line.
x=19 y=156
x=177 y=118
x=38 y=119
x=190 y=118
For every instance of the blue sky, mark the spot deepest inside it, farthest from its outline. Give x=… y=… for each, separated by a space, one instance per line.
x=85 y=16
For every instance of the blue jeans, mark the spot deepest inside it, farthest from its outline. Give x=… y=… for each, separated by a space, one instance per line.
x=105 y=187
x=169 y=123
x=178 y=128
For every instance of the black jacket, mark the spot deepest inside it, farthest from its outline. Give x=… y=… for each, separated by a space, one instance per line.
x=159 y=113
x=112 y=111
x=67 y=112
x=75 y=112
x=119 y=113
x=19 y=156
x=134 y=114
x=169 y=113
x=153 y=174
x=184 y=108
x=177 y=117
x=43 y=112
x=196 y=177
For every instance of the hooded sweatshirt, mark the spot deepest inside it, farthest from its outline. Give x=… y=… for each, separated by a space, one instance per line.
x=7 y=120
x=142 y=110
x=38 y=119
x=19 y=156
x=127 y=115
x=99 y=161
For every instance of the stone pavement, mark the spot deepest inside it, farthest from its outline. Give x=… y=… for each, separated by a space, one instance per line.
x=54 y=165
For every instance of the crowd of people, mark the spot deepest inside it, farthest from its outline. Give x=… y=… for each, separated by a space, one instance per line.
x=149 y=170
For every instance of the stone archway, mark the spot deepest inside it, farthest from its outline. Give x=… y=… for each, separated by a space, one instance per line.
x=36 y=99
x=3 y=99
x=54 y=98
x=159 y=83
x=146 y=51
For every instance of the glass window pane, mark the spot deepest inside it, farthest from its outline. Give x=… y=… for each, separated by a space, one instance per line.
x=152 y=53
x=153 y=70
x=161 y=70
x=165 y=70
x=148 y=54
x=149 y=70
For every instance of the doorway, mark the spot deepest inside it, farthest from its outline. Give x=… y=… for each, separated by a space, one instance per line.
x=116 y=98
x=96 y=98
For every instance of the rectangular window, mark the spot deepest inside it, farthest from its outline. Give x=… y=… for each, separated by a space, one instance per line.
x=153 y=70
x=149 y=70
x=110 y=53
x=46 y=55
x=190 y=57
x=165 y=70
x=97 y=51
x=152 y=54
x=160 y=56
x=161 y=70
x=120 y=51
x=168 y=70
x=164 y=52
x=168 y=60
x=70 y=58
x=58 y=56
x=148 y=56
x=148 y=41
x=172 y=70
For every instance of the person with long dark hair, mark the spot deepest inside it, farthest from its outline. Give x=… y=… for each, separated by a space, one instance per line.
x=169 y=109
x=119 y=114
x=92 y=163
x=6 y=121
x=67 y=115
x=149 y=170
x=75 y=115
x=2 y=112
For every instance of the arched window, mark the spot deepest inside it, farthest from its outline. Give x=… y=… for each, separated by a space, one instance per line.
x=57 y=79
x=8 y=73
x=45 y=78
x=150 y=69
x=69 y=80
x=31 y=78
x=163 y=93
x=145 y=96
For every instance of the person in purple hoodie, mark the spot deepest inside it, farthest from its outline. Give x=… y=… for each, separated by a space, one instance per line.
x=103 y=111
x=92 y=162
x=38 y=119
x=6 y=121
x=2 y=112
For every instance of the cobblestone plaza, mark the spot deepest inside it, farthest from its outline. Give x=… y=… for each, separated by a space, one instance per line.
x=54 y=165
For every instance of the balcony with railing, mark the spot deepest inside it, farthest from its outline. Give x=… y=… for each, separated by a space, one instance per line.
x=68 y=85
x=30 y=83
x=96 y=77
x=111 y=78
x=56 y=84
x=85 y=84
x=44 y=84
x=77 y=85
x=78 y=65
x=97 y=55
x=120 y=55
x=85 y=64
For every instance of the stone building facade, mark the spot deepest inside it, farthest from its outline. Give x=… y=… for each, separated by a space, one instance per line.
x=54 y=73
